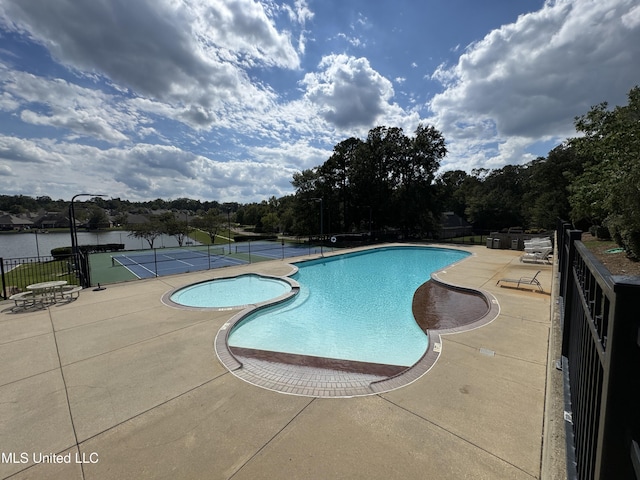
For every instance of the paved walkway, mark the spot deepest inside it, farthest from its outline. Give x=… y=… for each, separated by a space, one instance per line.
x=133 y=388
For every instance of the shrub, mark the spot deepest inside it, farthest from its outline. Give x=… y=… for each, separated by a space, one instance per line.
x=600 y=232
x=625 y=235
x=60 y=253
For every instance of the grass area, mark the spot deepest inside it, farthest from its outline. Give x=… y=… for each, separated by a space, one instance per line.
x=36 y=272
x=593 y=243
x=203 y=237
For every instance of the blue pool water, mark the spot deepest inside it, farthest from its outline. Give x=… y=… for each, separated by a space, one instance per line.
x=350 y=307
x=231 y=292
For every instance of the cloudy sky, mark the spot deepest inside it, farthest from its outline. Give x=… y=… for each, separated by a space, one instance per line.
x=226 y=99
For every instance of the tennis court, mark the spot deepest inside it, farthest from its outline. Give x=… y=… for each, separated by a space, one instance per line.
x=160 y=262
x=168 y=261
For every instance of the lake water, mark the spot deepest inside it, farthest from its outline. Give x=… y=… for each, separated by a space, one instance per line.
x=17 y=245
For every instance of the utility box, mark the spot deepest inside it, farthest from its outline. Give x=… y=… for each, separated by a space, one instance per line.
x=496 y=243
x=514 y=244
x=489 y=242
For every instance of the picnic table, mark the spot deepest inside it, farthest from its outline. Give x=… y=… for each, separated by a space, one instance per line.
x=45 y=293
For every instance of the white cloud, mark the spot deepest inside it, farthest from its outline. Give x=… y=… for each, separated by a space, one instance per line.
x=300 y=11
x=631 y=19
x=21 y=151
x=8 y=102
x=144 y=171
x=188 y=54
x=353 y=41
x=58 y=103
x=5 y=171
x=528 y=80
x=293 y=156
x=348 y=92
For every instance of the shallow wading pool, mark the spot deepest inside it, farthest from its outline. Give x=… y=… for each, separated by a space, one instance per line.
x=231 y=292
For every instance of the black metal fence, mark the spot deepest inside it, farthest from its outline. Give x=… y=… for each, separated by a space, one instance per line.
x=469 y=239
x=601 y=363
x=17 y=273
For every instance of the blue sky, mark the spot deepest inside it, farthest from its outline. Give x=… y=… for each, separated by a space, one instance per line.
x=226 y=99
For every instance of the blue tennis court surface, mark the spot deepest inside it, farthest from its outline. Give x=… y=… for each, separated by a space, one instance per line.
x=168 y=261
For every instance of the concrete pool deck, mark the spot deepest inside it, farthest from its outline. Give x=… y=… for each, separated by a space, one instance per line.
x=134 y=388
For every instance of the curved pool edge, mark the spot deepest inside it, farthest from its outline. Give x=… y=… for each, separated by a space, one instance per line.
x=434 y=347
x=295 y=287
x=221 y=344
x=487 y=318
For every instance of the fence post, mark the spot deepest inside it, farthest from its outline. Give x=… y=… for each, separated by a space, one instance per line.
x=4 y=282
x=567 y=284
x=562 y=249
x=619 y=418
x=82 y=268
x=155 y=260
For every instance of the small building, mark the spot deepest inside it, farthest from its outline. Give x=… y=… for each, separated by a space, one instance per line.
x=48 y=220
x=13 y=222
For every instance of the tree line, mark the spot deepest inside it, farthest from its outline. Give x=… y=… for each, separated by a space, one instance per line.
x=389 y=181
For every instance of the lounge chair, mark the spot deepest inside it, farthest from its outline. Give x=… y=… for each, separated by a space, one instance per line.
x=538 y=256
x=522 y=282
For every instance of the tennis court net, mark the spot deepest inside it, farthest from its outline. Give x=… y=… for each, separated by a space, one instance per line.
x=145 y=257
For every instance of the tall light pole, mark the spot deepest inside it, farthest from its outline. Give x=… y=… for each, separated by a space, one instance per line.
x=229 y=226
x=74 y=232
x=321 y=224
x=37 y=246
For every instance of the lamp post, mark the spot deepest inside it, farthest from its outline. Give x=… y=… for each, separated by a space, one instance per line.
x=74 y=232
x=37 y=246
x=229 y=227
x=321 y=224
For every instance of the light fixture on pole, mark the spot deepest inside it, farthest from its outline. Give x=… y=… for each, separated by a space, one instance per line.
x=319 y=199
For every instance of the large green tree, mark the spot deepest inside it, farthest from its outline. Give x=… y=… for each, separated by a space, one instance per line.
x=172 y=226
x=386 y=180
x=149 y=230
x=413 y=177
x=97 y=218
x=546 y=188
x=211 y=223
x=495 y=199
x=453 y=188
x=608 y=192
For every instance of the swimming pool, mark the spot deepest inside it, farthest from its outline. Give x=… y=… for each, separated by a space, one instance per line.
x=354 y=307
x=231 y=292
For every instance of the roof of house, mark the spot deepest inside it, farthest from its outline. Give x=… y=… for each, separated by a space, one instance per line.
x=15 y=221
